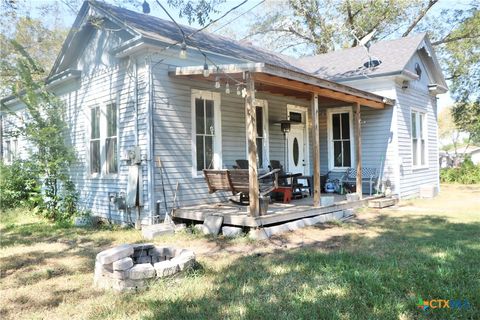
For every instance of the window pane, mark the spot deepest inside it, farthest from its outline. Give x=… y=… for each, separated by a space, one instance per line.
x=260 y=151
x=199 y=116
x=414 y=149
x=95 y=123
x=337 y=154
x=208 y=152
x=422 y=151
x=345 y=126
x=295 y=151
x=414 y=125
x=200 y=154
x=210 y=128
x=296 y=116
x=95 y=156
x=111 y=146
x=347 y=161
x=111 y=120
x=336 y=126
x=420 y=119
x=259 y=111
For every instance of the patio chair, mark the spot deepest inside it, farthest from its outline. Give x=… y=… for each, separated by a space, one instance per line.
x=369 y=175
x=241 y=164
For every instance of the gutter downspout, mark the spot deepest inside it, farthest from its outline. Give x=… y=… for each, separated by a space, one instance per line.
x=138 y=224
x=150 y=139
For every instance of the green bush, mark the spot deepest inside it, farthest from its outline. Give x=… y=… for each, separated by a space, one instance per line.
x=19 y=186
x=467 y=173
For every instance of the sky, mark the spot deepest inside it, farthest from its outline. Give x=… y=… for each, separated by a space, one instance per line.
x=67 y=20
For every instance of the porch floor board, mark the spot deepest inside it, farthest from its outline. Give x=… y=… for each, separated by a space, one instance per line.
x=236 y=215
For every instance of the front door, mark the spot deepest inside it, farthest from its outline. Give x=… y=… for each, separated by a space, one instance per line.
x=297 y=155
x=296 y=149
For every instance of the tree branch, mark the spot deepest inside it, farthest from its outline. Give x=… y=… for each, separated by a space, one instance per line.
x=419 y=17
x=461 y=37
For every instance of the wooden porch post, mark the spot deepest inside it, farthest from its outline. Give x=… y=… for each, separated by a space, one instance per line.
x=358 y=148
x=251 y=131
x=317 y=188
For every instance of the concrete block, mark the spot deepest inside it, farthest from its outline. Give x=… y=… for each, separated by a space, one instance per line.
x=428 y=191
x=186 y=253
x=259 y=234
x=348 y=213
x=281 y=228
x=213 y=224
x=157 y=230
x=143 y=259
x=156 y=259
x=231 y=231
x=115 y=253
x=128 y=285
x=184 y=261
x=141 y=271
x=337 y=215
x=142 y=246
x=166 y=268
x=120 y=275
x=308 y=221
x=180 y=227
x=294 y=225
x=201 y=228
x=122 y=264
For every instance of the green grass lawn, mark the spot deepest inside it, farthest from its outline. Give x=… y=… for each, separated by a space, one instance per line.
x=373 y=267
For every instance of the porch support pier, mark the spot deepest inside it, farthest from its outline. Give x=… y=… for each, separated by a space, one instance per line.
x=358 y=149
x=251 y=131
x=316 y=151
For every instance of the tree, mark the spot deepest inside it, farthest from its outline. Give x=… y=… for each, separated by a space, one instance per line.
x=448 y=133
x=44 y=128
x=466 y=116
x=306 y=27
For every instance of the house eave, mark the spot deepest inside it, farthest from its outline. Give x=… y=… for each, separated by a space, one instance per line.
x=309 y=80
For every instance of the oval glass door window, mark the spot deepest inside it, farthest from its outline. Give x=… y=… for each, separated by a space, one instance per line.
x=295 y=151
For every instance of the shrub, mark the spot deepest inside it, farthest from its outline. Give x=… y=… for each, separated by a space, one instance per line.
x=467 y=173
x=18 y=185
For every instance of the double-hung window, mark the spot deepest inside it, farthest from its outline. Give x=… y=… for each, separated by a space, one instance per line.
x=261 y=110
x=103 y=152
x=111 y=140
x=206 y=133
x=340 y=144
x=419 y=146
x=95 y=156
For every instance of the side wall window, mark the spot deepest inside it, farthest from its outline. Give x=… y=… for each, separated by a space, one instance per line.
x=103 y=139
x=418 y=134
x=95 y=157
x=111 y=140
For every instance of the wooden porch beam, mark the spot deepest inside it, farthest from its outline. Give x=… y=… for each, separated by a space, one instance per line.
x=304 y=87
x=358 y=148
x=251 y=131
x=317 y=188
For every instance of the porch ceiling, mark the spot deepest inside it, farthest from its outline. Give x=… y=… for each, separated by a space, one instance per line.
x=286 y=82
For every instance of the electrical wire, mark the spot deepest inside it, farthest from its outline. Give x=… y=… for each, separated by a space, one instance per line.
x=237 y=17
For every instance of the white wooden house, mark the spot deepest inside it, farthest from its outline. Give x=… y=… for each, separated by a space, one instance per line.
x=142 y=120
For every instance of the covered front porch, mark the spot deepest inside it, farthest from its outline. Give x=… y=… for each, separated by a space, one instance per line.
x=318 y=97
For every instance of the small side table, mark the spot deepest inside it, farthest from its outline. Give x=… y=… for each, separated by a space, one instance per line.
x=287 y=193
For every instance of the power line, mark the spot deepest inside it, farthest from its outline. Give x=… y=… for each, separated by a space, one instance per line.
x=237 y=17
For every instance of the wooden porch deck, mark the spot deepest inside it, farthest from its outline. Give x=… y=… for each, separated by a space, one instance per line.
x=236 y=215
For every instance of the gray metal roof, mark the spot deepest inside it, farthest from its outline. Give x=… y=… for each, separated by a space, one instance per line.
x=349 y=63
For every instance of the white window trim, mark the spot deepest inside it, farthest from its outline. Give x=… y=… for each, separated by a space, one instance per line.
x=303 y=110
x=103 y=136
x=330 y=112
x=425 y=133
x=266 y=136
x=217 y=138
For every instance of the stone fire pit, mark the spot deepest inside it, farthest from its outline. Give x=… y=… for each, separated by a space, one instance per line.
x=127 y=267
